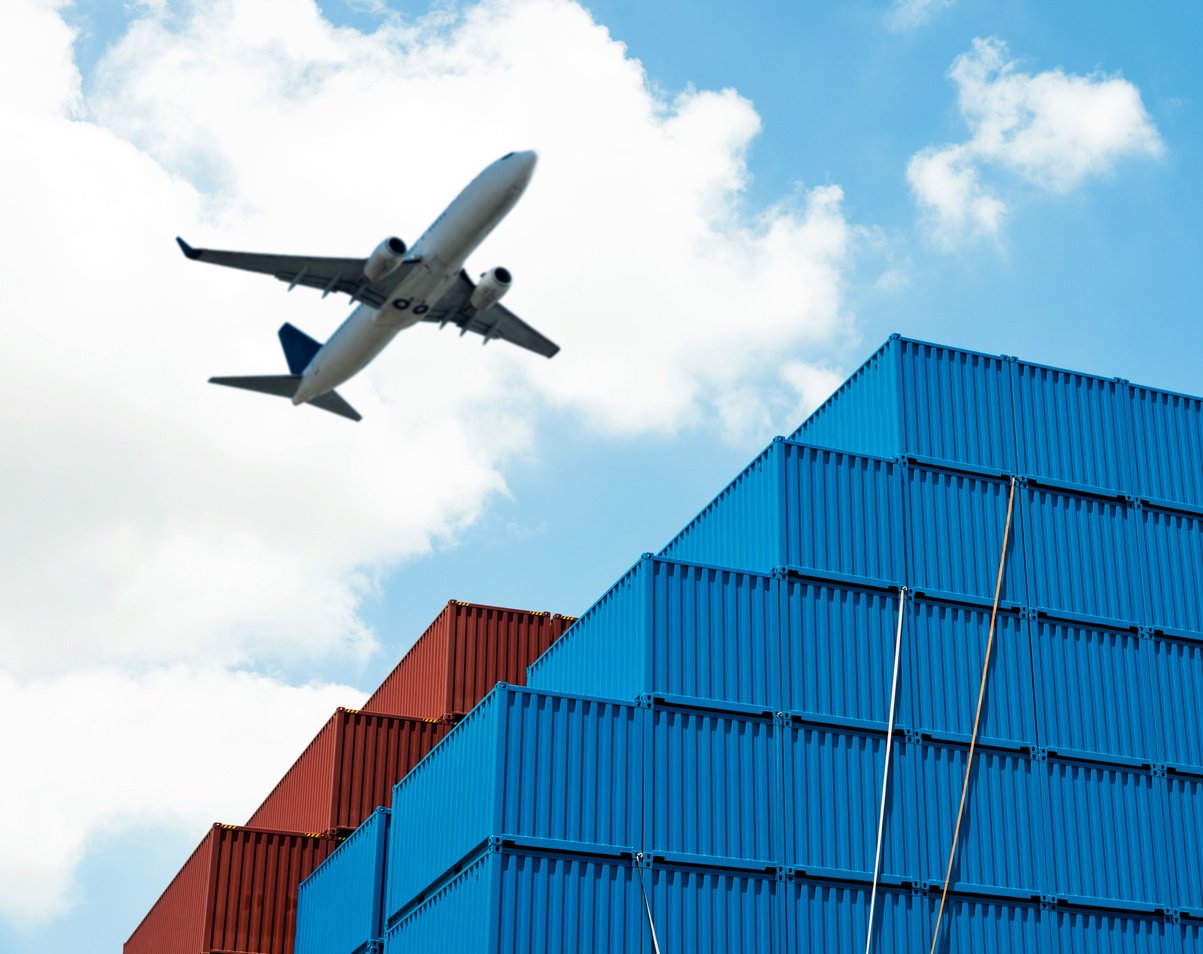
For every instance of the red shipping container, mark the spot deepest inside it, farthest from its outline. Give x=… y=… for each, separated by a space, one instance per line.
x=467 y=650
x=237 y=892
x=348 y=770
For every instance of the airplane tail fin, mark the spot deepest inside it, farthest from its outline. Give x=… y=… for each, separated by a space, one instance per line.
x=285 y=385
x=299 y=348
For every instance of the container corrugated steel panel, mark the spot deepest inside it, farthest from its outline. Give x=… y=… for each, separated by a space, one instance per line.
x=237 y=892
x=946 y=644
x=741 y=527
x=837 y=650
x=714 y=785
x=515 y=902
x=1173 y=568
x=984 y=926
x=467 y=650
x=834 y=919
x=1074 y=426
x=863 y=414
x=1110 y=830
x=956 y=405
x=955 y=524
x=1081 y=554
x=1168 y=435
x=715 y=910
x=339 y=906
x=1184 y=806
x=1004 y=832
x=832 y=796
x=669 y=628
x=348 y=770
x=1093 y=692
x=1176 y=699
x=1114 y=932
x=523 y=764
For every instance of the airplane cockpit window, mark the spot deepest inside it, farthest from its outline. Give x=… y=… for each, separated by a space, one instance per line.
x=506 y=156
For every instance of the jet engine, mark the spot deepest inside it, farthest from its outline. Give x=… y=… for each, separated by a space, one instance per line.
x=493 y=285
x=384 y=258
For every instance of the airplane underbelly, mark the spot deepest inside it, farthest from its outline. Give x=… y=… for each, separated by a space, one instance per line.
x=415 y=296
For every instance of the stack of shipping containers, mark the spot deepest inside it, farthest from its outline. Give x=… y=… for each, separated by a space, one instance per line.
x=238 y=891
x=711 y=734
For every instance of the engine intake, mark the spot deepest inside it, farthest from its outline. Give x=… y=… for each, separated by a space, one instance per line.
x=492 y=287
x=384 y=258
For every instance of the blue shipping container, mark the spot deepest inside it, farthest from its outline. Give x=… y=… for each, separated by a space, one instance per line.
x=670 y=628
x=339 y=907
x=523 y=764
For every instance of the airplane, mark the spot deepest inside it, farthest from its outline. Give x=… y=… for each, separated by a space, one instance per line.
x=395 y=287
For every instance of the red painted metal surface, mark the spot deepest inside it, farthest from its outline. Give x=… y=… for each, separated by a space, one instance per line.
x=467 y=650
x=236 y=893
x=348 y=770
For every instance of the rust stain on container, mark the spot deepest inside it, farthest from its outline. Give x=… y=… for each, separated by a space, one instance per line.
x=348 y=770
x=467 y=650
x=237 y=892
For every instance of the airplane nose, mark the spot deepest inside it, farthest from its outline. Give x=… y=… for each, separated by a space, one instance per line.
x=527 y=161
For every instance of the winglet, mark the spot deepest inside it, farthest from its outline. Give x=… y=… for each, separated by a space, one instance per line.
x=188 y=250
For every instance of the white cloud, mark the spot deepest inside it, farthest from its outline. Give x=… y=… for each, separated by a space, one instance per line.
x=99 y=751
x=909 y=14
x=1052 y=130
x=154 y=521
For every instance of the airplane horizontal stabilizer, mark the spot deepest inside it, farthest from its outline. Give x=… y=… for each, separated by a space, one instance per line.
x=285 y=385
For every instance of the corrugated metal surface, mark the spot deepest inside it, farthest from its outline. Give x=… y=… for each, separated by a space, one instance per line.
x=957 y=405
x=843 y=513
x=946 y=644
x=237 y=893
x=513 y=902
x=1173 y=568
x=467 y=650
x=1081 y=554
x=339 y=906
x=715 y=910
x=1176 y=700
x=955 y=524
x=863 y=414
x=672 y=628
x=834 y=919
x=522 y=764
x=832 y=795
x=741 y=527
x=1004 y=832
x=714 y=787
x=1092 y=690
x=1109 y=932
x=1110 y=833
x=1168 y=434
x=1184 y=807
x=348 y=770
x=974 y=925
x=1074 y=427
x=837 y=650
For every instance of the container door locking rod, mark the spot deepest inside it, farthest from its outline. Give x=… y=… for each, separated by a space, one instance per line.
x=646 y=907
x=981 y=694
x=885 y=774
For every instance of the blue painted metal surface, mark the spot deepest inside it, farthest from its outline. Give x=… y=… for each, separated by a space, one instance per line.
x=1175 y=696
x=1109 y=932
x=1172 y=561
x=714 y=786
x=523 y=764
x=515 y=902
x=669 y=628
x=1167 y=431
x=715 y=910
x=339 y=905
x=834 y=918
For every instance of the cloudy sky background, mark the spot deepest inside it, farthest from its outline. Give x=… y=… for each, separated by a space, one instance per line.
x=730 y=212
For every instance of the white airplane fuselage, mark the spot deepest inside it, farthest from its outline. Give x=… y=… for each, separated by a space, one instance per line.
x=440 y=254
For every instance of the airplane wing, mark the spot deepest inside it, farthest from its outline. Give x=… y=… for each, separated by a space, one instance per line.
x=329 y=274
x=496 y=321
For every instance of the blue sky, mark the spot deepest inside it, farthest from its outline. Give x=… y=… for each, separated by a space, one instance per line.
x=299 y=560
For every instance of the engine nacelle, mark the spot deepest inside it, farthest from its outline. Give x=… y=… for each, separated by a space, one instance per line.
x=384 y=258
x=493 y=285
